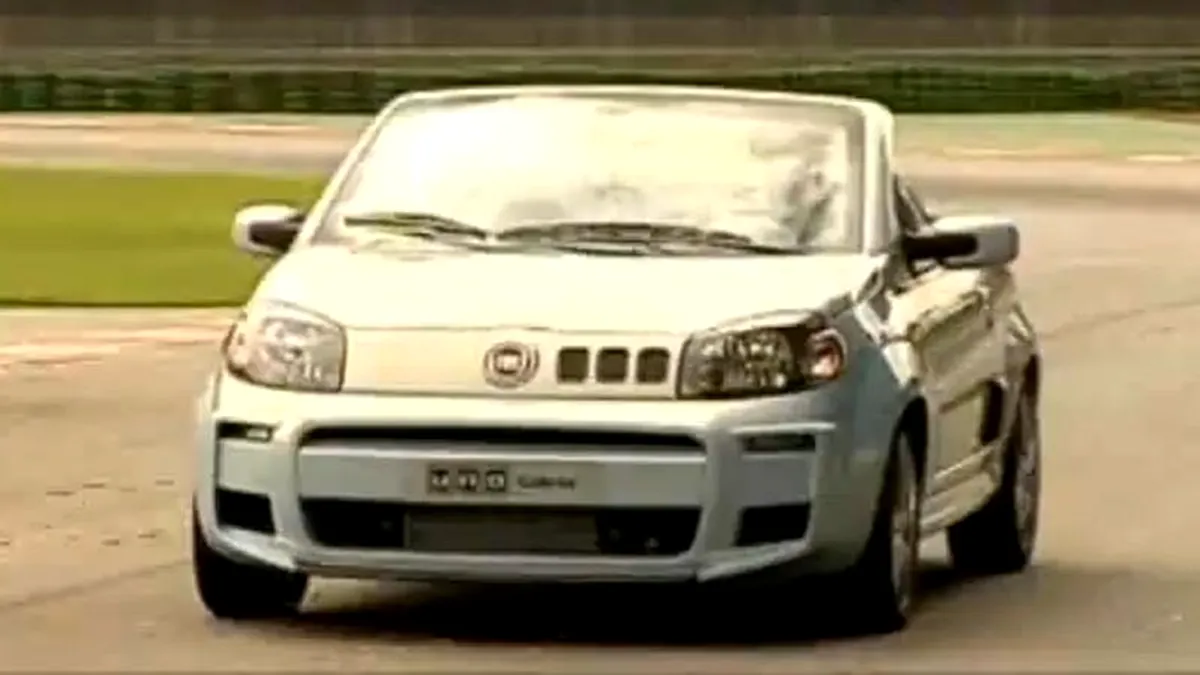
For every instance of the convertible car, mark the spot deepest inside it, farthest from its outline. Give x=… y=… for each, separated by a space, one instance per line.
x=619 y=334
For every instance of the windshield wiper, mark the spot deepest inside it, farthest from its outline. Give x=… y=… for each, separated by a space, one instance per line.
x=657 y=237
x=613 y=238
x=417 y=224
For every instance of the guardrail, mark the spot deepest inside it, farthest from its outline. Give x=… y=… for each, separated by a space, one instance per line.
x=905 y=87
x=116 y=59
x=217 y=25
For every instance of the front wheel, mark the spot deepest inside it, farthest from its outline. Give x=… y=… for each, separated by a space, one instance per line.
x=999 y=538
x=879 y=590
x=234 y=590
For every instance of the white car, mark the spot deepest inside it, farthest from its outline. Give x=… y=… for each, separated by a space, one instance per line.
x=618 y=334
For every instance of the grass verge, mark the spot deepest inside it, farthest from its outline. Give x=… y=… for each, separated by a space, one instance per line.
x=129 y=238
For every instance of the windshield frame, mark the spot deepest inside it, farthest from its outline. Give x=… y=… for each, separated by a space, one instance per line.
x=849 y=115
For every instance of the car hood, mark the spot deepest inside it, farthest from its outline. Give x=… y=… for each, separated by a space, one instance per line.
x=367 y=288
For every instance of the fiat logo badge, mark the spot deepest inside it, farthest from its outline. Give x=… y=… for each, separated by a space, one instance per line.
x=509 y=365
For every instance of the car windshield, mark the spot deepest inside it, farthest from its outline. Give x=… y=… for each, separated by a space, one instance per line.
x=658 y=174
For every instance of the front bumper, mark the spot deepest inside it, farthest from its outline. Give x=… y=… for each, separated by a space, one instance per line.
x=756 y=484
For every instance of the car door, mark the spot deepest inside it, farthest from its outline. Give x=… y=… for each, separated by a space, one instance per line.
x=951 y=325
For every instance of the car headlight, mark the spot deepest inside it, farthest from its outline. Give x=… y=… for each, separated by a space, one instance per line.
x=761 y=359
x=281 y=346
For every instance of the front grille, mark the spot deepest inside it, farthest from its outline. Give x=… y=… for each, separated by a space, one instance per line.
x=573 y=365
x=507 y=436
x=613 y=365
x=653 y=366
x=500 y=530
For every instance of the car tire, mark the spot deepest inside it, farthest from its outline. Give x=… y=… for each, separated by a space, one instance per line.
x=879 y=591
x=1000 y=537
x=237 y=591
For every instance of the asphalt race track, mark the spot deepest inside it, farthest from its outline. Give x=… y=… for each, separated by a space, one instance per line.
x=94 y=483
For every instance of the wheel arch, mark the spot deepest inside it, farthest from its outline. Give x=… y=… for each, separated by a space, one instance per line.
x=914 y=424
x=1031 y=378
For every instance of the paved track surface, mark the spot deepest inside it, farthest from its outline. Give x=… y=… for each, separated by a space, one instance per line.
x=94 y=483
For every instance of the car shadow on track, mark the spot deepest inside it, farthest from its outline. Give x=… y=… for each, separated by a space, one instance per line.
x=641 y=616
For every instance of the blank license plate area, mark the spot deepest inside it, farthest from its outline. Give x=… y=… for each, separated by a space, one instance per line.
x=482 y=530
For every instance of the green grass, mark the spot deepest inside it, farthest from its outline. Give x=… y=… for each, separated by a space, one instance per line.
x=129 y=238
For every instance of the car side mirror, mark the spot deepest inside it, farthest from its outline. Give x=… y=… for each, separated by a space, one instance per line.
x=266 y=229
x=966 y=242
